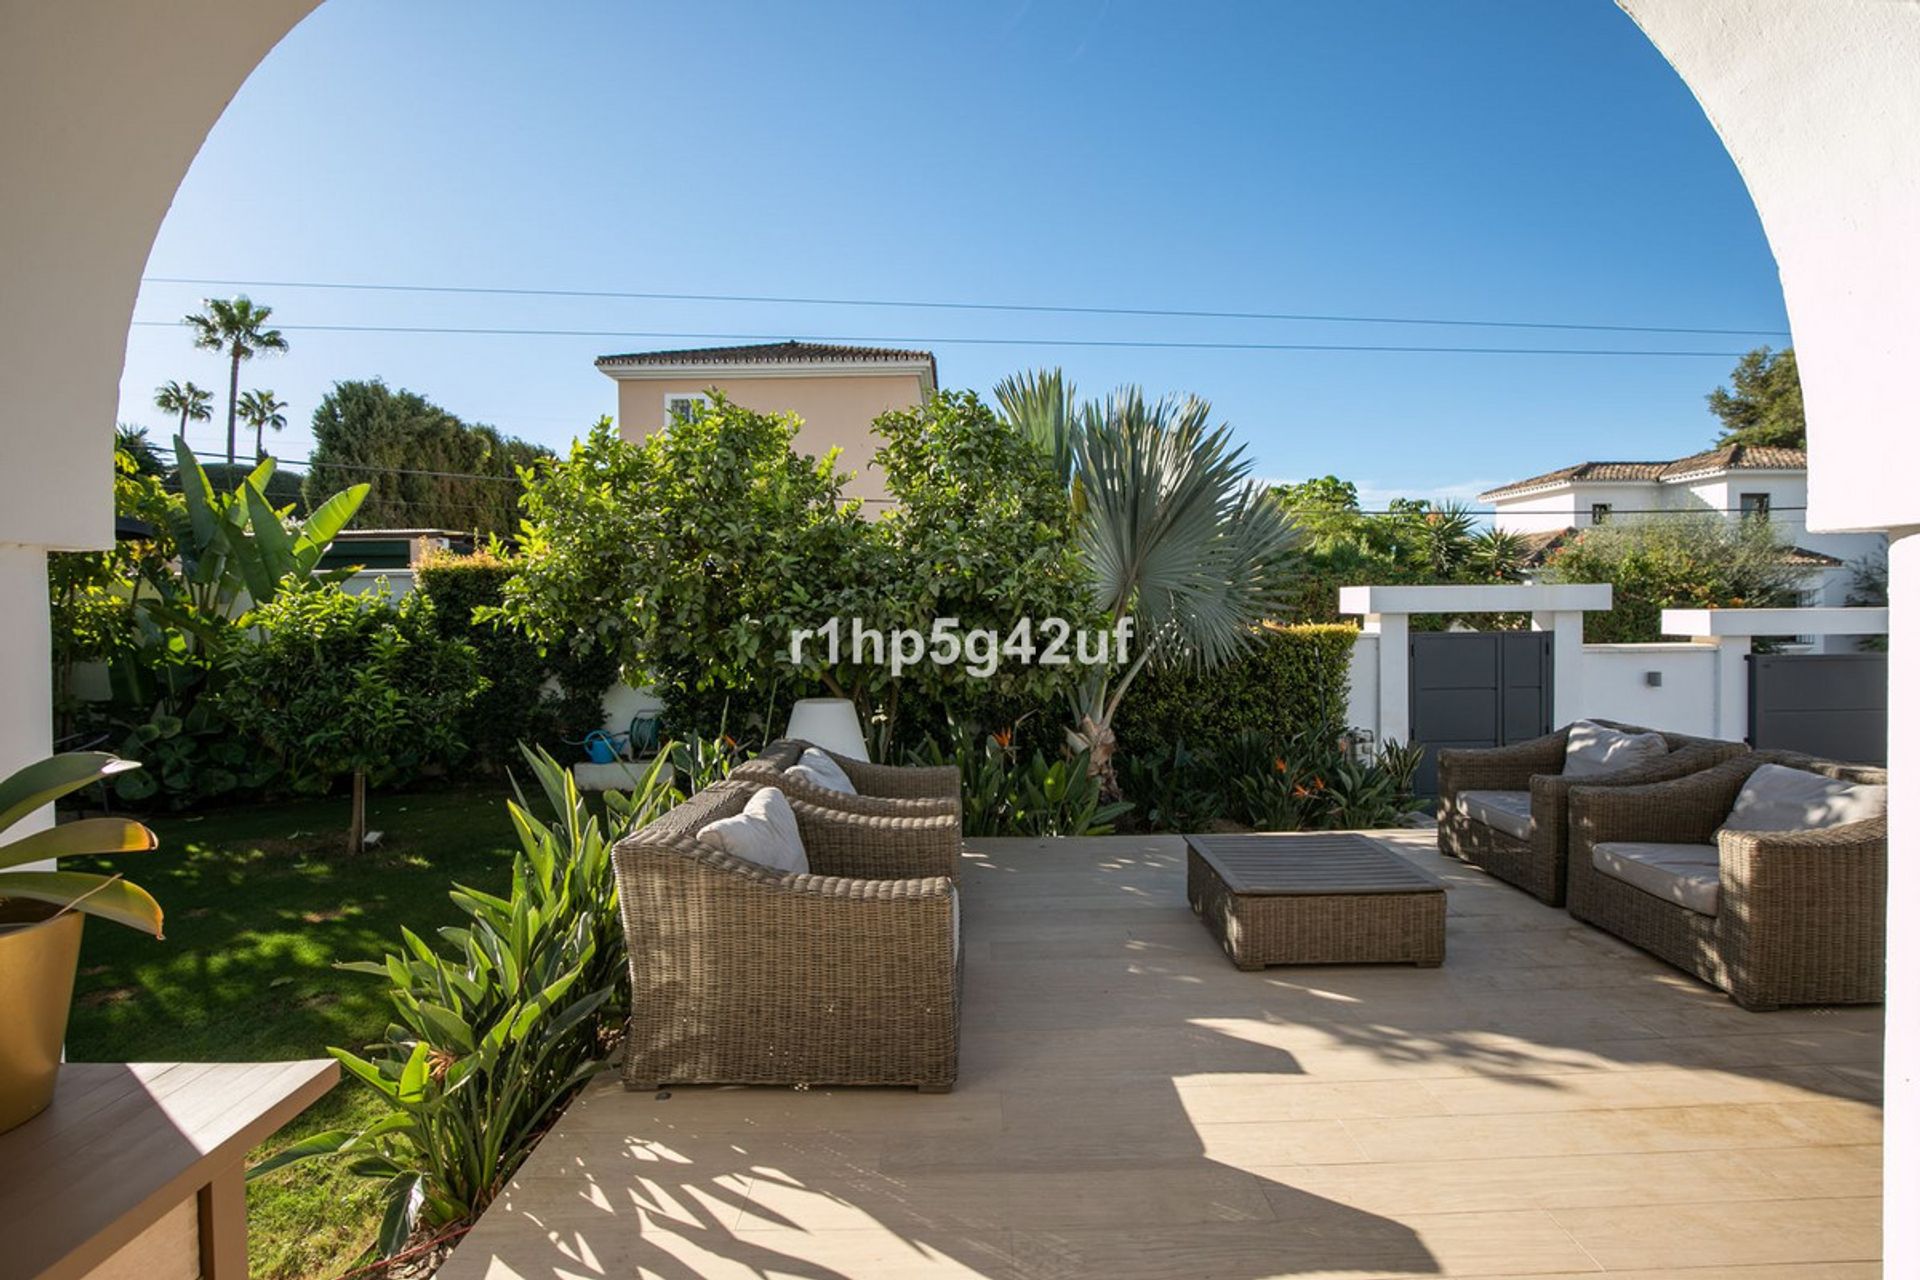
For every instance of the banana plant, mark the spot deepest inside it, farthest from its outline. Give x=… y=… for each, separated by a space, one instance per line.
x=108 y=896
x=235 y=543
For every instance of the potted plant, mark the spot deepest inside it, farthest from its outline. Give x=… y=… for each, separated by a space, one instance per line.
x=41 y=914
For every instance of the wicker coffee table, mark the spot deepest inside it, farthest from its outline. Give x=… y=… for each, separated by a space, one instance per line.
x=1316 y=898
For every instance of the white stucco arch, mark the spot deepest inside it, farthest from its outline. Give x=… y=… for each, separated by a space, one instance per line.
x=103 y=107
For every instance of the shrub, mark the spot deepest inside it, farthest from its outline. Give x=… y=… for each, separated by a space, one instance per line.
x=345 y=685
x=1291 y=680
x=1047 y=796
x=515 y=705
x=1310 y=781
x=498 y=1026
x=1679 y=562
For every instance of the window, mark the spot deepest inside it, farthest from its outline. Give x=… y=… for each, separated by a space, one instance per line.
x=1600 y=512
x=683 y=404
x=1756 y=506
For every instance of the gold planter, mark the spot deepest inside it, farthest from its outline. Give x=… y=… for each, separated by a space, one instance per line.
x=38 y=957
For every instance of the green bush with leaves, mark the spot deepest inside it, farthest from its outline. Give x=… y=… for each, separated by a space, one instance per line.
x=167 y=611
x=516 y=705
x=497 y=1025
x=1314 y=780
x=689 y=556
x=1691 y=561
x=1049 y=794
x=340 y=685
x=1289 y=680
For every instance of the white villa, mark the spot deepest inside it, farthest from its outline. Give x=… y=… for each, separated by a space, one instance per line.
x=1738 y=481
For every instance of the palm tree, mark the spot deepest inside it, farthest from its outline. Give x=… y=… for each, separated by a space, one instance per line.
x=237 y=327
x=1498 y=554
x=134 y=442
x=261 y=411
x=1039 y=405
x=1183 y=549
x=187 y=400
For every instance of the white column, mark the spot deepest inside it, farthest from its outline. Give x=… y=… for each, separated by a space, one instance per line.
x=1396 y=690
x=1902 y=1191
x=1569 y=661
x=1730 y=710
x=26 y=672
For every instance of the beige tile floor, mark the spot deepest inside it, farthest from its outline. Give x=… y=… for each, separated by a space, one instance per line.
x=1549 y=1103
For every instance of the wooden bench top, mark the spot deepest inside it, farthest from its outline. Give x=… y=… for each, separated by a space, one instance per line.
x=1311 y=862
x=123 y=1143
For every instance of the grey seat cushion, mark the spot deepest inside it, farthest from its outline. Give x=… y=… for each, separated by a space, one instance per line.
x=1594 y=750
x=1510 y=812
x=1687 y=874
x=1777 y=798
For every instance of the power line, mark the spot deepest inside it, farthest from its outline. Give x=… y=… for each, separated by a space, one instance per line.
x=930 y=305
x=1141 y=344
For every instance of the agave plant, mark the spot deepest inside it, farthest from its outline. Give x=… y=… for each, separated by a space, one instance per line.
x=108 y=896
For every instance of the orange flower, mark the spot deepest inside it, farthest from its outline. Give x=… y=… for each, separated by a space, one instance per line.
x=1300 y=793
x=1004 y=736
x=1319 y=784
x=1279 y=765
x=728 y=739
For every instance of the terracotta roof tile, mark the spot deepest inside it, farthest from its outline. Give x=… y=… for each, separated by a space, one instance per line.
x=1736 y=457
x=791 y=352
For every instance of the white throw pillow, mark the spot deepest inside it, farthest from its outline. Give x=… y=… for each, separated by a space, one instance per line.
x=822 y=770
x=764 y=832
x=1593 y=750
x=1777 y=798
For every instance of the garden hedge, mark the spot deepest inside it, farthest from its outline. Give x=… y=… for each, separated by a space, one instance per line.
x=1288 y=680
x=518 y=704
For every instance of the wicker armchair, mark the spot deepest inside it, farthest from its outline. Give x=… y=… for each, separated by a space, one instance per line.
x=1801 y=915
x=884 y=790
x=1537 y=861
x=742 y=975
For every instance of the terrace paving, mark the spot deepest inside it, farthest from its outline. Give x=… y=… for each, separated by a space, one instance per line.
x=1551 y=1102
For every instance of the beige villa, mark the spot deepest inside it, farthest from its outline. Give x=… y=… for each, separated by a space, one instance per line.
x=836 y=390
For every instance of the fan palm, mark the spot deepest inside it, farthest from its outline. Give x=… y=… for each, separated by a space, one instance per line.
x=1181 y=546
x=238 y=327
x=190 y=402
x=261 y=411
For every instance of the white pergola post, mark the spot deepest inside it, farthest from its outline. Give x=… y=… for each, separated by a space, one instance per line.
x=1569 y=679
x=1394 y=702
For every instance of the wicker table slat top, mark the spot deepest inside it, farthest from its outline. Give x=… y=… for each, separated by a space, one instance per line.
x=1341 y=862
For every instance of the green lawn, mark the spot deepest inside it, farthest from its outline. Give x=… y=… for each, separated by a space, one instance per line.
x=260 y=902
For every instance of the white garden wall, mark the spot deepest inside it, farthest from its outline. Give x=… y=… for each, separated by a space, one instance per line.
x=1614 y=686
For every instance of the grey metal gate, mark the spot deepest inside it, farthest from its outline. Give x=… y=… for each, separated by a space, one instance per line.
x=1477 y=689
x=1825 y=704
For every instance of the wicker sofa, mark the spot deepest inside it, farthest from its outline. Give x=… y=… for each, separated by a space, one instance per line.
x=1799 y=917
x=1533 y=853
x=883 y=789
x=742 y=975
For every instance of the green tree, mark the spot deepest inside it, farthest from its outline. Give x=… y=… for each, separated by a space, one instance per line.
x=1764 y=406
x=192 y=403
x=346 y=685
x=137 y=443
x=1692 y=561
x=691 y=556
x=238 y=328
x=426 y=467
x=261 y=411
x=981 y=531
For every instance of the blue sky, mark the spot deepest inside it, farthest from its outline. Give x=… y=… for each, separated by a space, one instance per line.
x=1489 y=161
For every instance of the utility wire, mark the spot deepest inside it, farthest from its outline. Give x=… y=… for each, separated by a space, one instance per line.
x=1143 y=344
x=929 y=305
